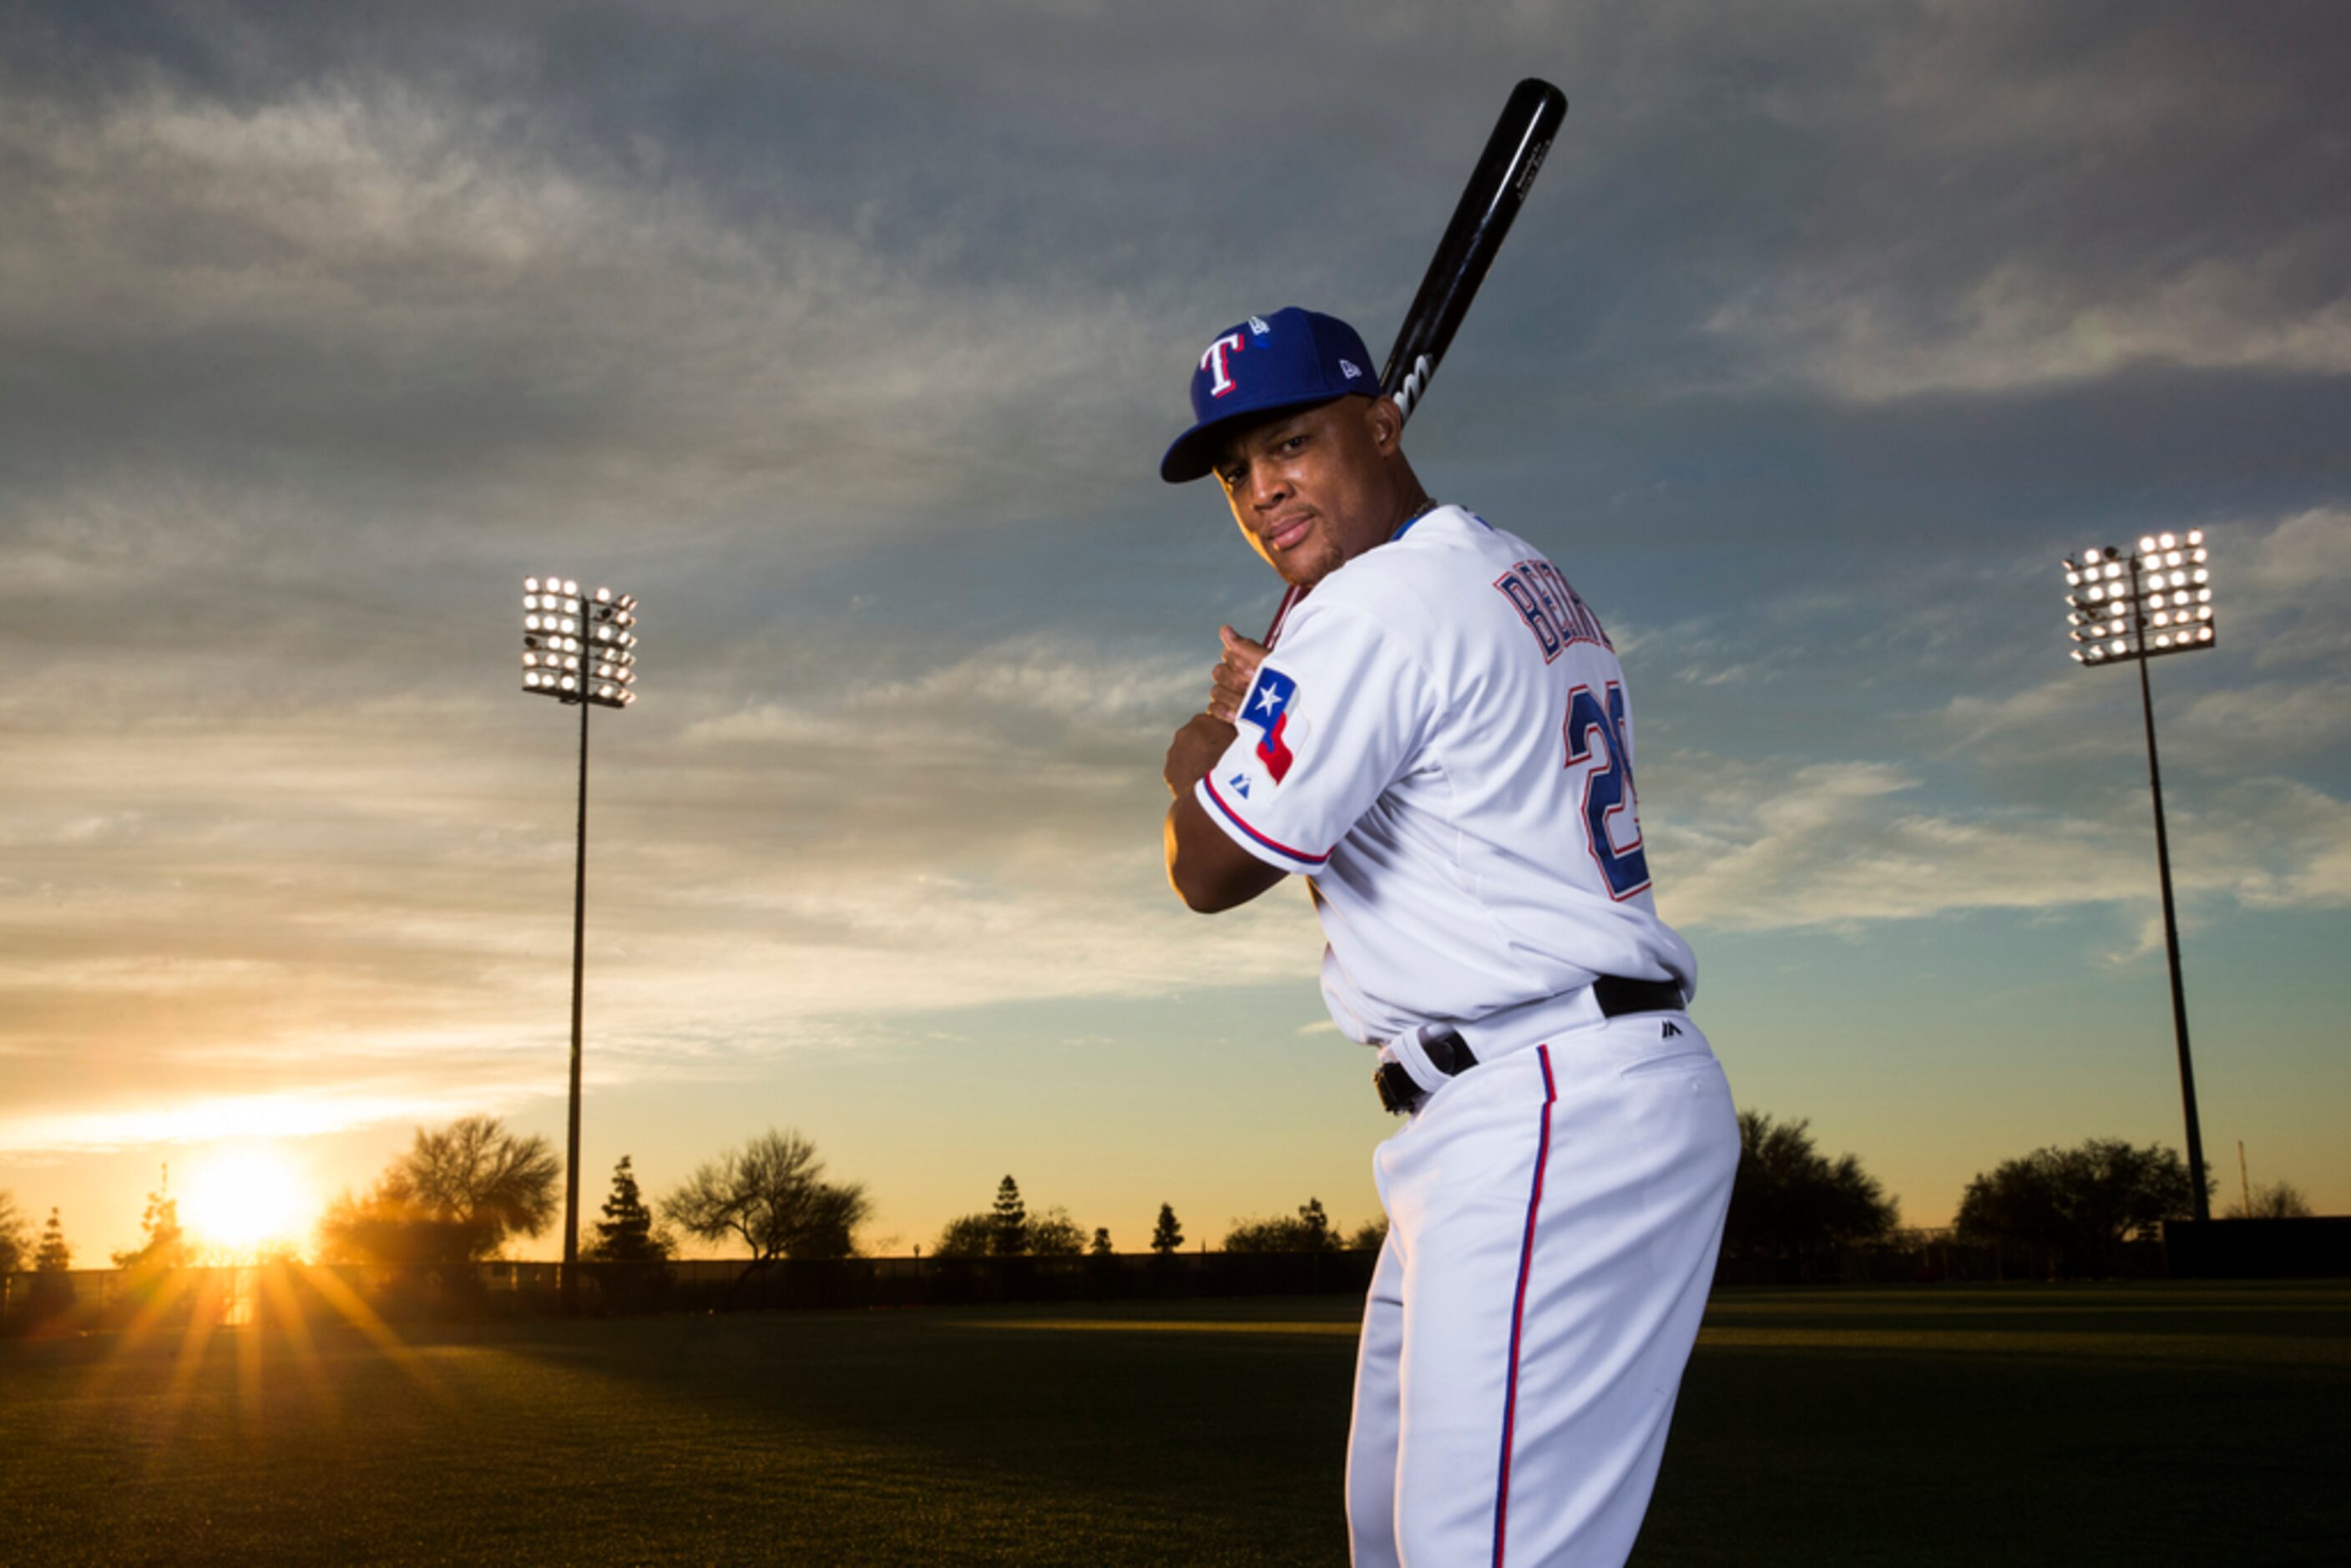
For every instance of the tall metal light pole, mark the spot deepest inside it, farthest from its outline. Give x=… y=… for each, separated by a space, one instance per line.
x=2128 y=609
x=577 y=649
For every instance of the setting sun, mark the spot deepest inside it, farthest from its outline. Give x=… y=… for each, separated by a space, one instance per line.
x=247 y=1198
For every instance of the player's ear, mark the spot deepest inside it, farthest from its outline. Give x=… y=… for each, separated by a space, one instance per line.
x=1385 y=422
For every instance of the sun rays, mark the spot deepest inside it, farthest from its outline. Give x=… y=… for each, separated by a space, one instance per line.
x=248 y=1200
x=166 y=1323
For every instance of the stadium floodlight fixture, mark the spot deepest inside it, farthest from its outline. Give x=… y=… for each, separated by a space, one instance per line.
x=577 y=648
x=2136 y=605
x=2128 y=607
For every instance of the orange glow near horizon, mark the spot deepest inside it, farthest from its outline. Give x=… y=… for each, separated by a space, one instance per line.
x=248 y=1197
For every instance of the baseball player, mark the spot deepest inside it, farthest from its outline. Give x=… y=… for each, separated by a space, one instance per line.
x=1441 y=743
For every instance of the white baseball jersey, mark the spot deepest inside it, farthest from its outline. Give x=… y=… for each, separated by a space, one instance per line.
x=1441 y=743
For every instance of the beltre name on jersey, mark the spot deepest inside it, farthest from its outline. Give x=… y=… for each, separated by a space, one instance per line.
x=1441 y=743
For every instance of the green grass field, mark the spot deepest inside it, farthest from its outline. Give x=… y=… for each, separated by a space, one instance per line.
x=1990 y=1425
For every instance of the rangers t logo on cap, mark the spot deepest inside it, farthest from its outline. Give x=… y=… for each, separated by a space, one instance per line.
x=1220 y=380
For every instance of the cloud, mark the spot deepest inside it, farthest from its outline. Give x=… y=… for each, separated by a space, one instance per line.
x=1833 y=845
x=2001 y=200
x=2296 y=583
x=391 y=889
x=2024 y=325
x=372 y=287
x=281 y=1113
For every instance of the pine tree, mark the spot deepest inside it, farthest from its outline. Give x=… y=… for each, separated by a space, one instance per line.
x=1166 y=1236
x=1101 y=1241
x=1011 y=1220
x=626 y=1234
x=54 y=1257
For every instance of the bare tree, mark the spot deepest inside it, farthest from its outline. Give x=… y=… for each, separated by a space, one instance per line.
x=772 y=1195
x=477 y=1173
x=455 y=1197
x=2273 y=1200
x=1053 y=1234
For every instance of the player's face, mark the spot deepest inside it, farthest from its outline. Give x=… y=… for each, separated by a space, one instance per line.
x=1314 y=488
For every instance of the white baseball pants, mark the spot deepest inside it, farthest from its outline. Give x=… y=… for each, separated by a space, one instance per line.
x=1553 y=1220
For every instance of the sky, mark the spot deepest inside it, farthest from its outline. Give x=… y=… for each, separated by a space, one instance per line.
x=848 y=337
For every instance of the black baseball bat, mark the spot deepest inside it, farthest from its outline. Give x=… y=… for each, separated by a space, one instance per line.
x=1490 y=202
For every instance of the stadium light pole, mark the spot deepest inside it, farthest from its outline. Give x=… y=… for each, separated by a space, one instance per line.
x=579 y=649
x=2129 y=608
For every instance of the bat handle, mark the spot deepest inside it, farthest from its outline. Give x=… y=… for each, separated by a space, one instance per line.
x=1289 y=598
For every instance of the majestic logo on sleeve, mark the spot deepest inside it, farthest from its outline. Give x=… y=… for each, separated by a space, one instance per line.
x=1220 y=380
x=1268 y=707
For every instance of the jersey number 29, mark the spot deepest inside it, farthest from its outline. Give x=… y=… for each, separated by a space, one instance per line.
x=1595 y=735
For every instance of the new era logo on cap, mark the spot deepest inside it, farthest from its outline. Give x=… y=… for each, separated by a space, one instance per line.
x=1287 y=360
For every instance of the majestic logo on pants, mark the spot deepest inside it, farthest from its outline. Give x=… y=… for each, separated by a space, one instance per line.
x=1268 y=707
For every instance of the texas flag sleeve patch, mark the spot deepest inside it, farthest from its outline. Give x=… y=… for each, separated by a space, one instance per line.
x=1268 y=707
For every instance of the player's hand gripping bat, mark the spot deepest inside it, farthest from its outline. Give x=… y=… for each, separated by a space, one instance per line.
x=1490 y=202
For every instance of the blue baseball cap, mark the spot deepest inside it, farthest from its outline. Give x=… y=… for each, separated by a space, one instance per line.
x=1286 y=359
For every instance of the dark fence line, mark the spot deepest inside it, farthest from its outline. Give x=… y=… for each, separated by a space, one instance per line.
x=1938 y=1256
x=121 y=1299
x=2315 y=1249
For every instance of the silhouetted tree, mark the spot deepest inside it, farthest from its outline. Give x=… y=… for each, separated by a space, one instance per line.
x=627 y=1234
x=388 y=1227
x=1101 y=1247
x=2273 y=1200
x=2073 y=1207
x=15 y=1238
x=1011 y=1220
x=1166 y=1236
x=772 y=1195
x=166 y=1245
x=54 y=1256
x=1789 y=1202
x=476 y=1172
x=455 y=1198
x=969 y=1236
x=1053 y=1234
x=1309 y=1230
x=51 y=1292
x=1370 y=1235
